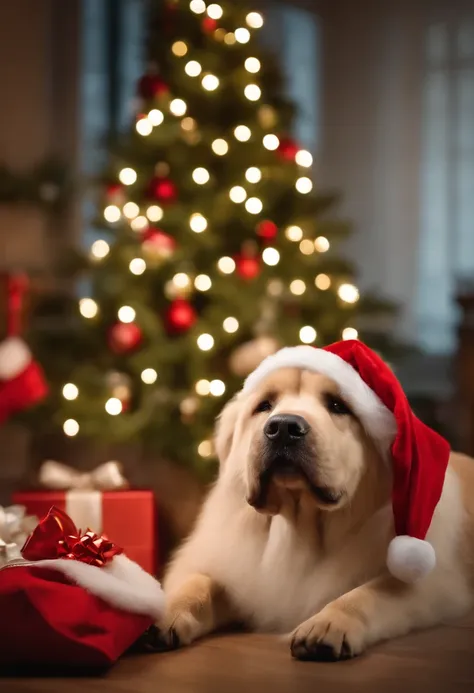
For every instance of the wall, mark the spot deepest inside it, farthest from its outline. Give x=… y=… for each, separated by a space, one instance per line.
x=370 y=141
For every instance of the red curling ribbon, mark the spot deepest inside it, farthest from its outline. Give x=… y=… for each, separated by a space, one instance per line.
x=56 y=536
x=17 y=286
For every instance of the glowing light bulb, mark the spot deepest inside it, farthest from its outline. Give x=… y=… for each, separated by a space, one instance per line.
x=226 y=265
x=193 y=68
x=126 y=314
x=70 y=391
x=237 y=194
x=220 y=147
x=128 y=176
x=210 y=82
x=308 y=334
x=112 y=214
x=202 y=387
x=202 y=282
x=252 y=65
x=271 y=256
x=197 y=6
x=294 y=233
x=188 y=124
x=254 y=205
x=242 y=133
x=88 y=308
x=201 y=175
x=252 y=92
x=322 y=282
x=155 y=117
x=131 y=210
x=181 y=280
x=230 y=325
x=113 y=406
x=178 y=107
x=304 y=185
x=139 y=223
x=254 y=20
x=306 y=247
x=304 y=158
x=348 y=293
x=100 y=249
x=154 y=213
x=349 y=333
x=321 y=244
x=137 y=266
x=205 y=342
x=143 y=127
x=149 y=376
x=198 y=223
x=297 y=287
x=179 y=48
x=253 y=174
x=242 y=35
x=229 y=38
x=71 y=428
x=205 y=448
x=217 y=388
x=215 y=11
x=271 y=142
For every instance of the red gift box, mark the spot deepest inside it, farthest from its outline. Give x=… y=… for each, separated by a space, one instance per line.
x=129 y=516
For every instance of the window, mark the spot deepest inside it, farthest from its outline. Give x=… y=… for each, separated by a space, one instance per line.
x=447 y=178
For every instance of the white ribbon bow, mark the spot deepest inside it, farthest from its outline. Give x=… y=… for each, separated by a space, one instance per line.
x=60 y=477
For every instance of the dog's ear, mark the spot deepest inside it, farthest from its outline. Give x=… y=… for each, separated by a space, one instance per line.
x=225 y=427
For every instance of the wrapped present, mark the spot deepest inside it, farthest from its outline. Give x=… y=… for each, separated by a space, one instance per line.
x=73 y=599
x=15 y=526
x=100 y=500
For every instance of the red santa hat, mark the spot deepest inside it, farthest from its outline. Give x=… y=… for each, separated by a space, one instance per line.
x=419 y=456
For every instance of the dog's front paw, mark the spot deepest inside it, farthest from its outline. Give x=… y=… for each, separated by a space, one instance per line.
x=330 y=636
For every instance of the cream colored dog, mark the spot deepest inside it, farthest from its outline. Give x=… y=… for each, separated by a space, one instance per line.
x=296 y=543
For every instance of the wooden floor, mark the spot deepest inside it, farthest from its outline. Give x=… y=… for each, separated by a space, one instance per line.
x=437 y=661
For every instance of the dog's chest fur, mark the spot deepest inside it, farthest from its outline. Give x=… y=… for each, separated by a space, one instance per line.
x=293 y=570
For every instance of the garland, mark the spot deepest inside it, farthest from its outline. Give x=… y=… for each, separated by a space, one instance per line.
x=46 y=185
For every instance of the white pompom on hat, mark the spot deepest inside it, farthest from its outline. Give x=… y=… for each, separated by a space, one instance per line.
x=419 y=456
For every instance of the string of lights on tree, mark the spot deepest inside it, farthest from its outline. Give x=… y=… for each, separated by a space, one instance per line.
x=154 y=246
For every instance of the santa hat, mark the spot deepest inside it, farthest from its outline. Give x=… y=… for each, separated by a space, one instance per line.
x=419 y=456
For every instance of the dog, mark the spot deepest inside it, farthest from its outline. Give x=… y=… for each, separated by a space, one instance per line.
x=292 y=538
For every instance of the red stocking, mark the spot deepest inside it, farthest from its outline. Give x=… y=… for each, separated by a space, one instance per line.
x=22 y=383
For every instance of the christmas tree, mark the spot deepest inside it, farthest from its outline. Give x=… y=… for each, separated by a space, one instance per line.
x=215 y=248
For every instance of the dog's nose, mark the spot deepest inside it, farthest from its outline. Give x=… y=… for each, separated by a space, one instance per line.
x=286 y=428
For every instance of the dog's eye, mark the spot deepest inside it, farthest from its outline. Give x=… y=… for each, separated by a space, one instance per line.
x=335 y=405
x=263 y=406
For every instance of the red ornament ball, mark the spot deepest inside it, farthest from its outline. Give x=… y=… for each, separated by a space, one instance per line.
x=248 y=266
x=267 y=229
x=163 y=189
x=150 y=86
x=115 y=193
x=288 y=148
x=124 y=337
x=209 y=25
x=158 y=244
x=181 y=316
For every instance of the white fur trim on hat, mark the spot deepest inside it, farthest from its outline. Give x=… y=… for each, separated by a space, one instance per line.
x=14 y=357
x=121 y=583
x=410 y=559
x=378 y=421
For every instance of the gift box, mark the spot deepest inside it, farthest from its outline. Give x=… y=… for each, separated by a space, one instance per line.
x=128 y=515
x=73 y=599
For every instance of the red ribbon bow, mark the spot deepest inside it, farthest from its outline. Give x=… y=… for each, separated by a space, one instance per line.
x=56 y=536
